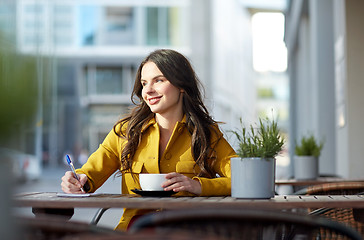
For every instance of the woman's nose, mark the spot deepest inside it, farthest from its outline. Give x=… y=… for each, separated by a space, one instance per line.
x=149 y=88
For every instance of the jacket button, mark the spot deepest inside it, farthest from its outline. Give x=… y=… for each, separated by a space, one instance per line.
x=167 y=156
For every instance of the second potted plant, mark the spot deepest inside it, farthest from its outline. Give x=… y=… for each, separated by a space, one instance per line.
x=253 y=171
x=307 y=153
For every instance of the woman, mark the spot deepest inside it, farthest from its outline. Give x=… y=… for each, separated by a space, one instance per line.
x=169 y=131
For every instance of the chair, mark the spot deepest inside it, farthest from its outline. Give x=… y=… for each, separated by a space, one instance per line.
x=334 y=188
x=95 y=220
x=349 y=216
x=59 y=228
x=230 y=223
x=56 y=227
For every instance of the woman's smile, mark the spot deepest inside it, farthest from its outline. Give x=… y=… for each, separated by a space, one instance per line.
x=154 y=100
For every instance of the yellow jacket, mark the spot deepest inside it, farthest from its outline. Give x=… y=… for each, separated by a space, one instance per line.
x=177 y=157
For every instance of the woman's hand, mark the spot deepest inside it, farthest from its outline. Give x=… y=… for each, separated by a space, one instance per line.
x=71 y=185
x=179 y=182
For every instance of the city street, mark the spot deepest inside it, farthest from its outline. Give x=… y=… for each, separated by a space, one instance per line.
x=50 y=182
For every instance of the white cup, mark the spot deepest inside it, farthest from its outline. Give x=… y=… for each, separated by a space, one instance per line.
x=151 y=181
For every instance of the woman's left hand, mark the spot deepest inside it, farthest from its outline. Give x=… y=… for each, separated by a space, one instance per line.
x=179 y=182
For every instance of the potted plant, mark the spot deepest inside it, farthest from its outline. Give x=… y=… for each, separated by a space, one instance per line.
x=253 y=170
x=307 y=153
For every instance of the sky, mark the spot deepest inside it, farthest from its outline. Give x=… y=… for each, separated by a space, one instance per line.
x=269 y=50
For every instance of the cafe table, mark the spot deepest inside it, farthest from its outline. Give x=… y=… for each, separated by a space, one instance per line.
x=50 y=200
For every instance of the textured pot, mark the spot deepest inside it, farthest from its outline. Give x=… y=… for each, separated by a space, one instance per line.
x=252 y=178
x=305 y=167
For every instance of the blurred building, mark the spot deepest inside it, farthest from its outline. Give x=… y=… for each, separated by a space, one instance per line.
x=89 y=51
x=324 y=40
x=92 y=50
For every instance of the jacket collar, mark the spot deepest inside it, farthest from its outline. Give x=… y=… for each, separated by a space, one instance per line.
x=152 y=121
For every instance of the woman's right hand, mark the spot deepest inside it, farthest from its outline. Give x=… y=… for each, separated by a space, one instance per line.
x=71 y=185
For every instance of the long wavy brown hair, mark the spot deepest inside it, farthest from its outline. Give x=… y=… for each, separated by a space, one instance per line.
x=179 y=72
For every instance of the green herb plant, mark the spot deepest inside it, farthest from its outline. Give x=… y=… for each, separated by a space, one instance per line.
x=264 y=141
x=309 y=146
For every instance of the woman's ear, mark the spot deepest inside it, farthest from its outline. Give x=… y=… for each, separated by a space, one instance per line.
x=182 y=91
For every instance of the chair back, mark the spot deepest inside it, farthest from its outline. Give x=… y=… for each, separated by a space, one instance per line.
x=334 y=188
x=240 y=224
x=349 y=216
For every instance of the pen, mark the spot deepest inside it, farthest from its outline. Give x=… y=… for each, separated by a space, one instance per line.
x=73 y=169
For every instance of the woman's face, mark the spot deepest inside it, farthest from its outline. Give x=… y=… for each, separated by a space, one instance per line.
x=160 y=95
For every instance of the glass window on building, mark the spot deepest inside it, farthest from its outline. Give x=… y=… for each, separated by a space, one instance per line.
x=87 y=20
x=62 y=9
x=63 y=25
x=158 y=26
x=33 y=24
x=108 y=80
x=33 y=8
x=118 y=26
x=7 y=21
x=62 y=40
x=105 y=26
x=32 y=39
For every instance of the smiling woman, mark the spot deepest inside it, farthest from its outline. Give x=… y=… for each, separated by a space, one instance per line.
x=169 y=131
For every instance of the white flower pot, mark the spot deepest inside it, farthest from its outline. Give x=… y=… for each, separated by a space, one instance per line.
x=305 y=167
x=252 y=177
